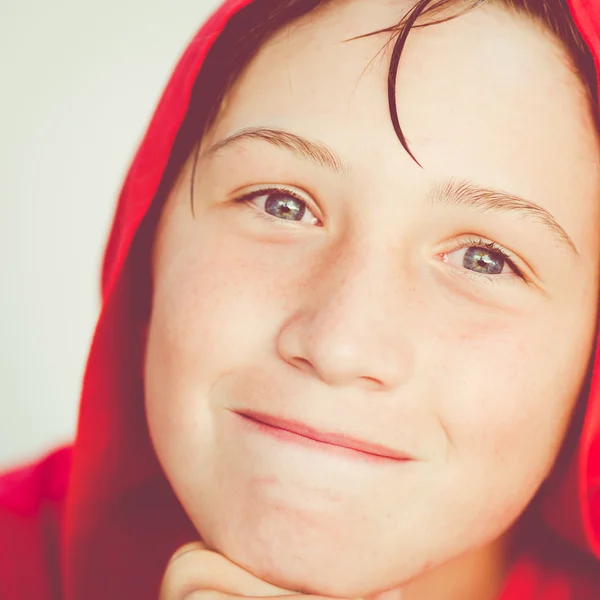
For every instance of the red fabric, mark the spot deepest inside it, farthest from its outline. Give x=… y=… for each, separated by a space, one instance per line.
x=121 y=521
x=31 y=517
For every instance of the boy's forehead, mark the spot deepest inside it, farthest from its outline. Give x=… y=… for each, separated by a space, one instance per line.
x=462 y=66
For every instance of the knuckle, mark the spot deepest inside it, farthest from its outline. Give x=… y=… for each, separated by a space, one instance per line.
x=207 y=595
x=186 y=549
x=188 y=571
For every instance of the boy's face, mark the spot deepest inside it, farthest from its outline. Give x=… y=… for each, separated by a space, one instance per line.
x=362 y=298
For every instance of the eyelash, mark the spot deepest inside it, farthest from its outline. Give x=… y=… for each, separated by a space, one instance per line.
x=464 y=244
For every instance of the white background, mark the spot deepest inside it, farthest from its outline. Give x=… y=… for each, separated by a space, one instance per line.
x=78 y=83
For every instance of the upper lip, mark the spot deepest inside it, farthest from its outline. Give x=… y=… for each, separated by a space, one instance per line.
x=335 y=439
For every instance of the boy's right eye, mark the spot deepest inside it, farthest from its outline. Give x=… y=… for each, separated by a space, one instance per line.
x=281 y=204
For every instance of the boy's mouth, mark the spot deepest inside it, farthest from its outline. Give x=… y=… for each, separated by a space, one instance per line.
x=298 y=432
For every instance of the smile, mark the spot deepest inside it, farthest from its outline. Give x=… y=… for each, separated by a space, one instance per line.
x=289 y=431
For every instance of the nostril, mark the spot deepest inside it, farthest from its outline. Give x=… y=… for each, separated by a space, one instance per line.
x=373 y=383
x=303 y=364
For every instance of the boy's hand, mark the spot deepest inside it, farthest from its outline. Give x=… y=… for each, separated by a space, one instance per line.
x=195 y=573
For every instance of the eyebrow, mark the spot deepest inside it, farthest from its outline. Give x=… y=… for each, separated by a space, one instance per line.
x=463 y=193
x=451 y=192
x=314 y=151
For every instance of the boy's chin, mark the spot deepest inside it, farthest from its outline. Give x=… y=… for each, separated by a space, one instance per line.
x=320 y=566
x=335 y=576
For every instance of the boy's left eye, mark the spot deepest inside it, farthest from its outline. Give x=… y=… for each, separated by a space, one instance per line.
x=480 y=256
x=282 y=204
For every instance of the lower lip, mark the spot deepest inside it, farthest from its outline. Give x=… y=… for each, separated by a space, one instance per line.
x=284 y=436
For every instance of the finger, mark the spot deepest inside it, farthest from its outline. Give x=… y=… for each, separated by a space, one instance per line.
x=193 y=568
x=212 y=595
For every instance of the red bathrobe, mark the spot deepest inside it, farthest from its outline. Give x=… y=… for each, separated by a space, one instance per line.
x=97 y=521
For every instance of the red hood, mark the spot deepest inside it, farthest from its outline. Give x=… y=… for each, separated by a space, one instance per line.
x=122 y=520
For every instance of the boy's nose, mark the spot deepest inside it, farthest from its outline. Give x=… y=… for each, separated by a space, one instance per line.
x=350 y=327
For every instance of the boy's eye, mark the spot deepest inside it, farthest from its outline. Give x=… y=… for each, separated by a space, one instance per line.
x=482 y=257
x=282 y=204
x=482 y=260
